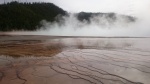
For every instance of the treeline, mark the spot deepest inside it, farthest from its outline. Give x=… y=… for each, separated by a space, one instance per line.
x=26 y=16
x=109 y=16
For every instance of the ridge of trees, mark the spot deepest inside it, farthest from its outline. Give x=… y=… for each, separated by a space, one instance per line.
x=110 y=16
x=27 y=16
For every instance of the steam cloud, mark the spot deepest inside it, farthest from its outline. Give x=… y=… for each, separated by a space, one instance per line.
x=98 y=26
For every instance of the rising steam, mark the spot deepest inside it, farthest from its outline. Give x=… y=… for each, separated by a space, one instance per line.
x=98 y=25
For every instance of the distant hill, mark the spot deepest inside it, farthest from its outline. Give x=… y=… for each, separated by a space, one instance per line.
x=109 y=16
x=27 y=16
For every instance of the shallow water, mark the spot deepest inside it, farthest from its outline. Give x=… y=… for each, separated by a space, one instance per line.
x=81 y=61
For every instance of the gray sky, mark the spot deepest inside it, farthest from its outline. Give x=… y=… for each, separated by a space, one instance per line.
x=130 y=7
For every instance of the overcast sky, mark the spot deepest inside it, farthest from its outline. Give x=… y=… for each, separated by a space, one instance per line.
x=130 y=7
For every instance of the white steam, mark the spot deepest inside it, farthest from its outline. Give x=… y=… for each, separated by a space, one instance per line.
x=99 y=26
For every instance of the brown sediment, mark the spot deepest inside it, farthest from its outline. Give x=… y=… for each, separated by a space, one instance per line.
x=28 y=48
x=81 y=61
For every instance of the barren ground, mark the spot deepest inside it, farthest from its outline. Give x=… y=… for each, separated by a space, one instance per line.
x=70 y=60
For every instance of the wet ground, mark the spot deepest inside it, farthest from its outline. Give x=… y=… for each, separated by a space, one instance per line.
x=74 y=60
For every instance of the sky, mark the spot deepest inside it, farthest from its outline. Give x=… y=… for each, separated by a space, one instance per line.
x=129 y=7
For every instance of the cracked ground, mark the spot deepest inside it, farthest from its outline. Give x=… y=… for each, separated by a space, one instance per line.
x=74 y=60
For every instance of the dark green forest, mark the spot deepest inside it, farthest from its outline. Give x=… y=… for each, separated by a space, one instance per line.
x=109 y=16
x=26 y=16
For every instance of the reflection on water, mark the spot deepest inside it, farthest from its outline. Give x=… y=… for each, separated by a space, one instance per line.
x=51 y=47
x=89 y=43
